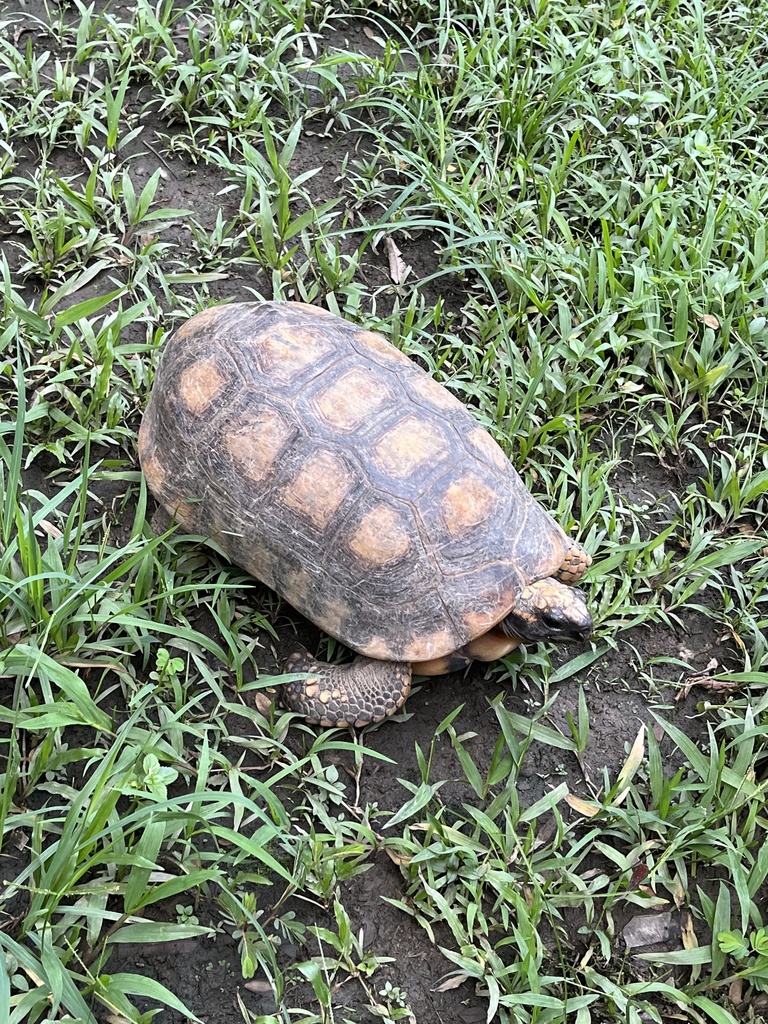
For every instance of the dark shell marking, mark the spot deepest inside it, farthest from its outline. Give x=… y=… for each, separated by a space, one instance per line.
x=334 y=469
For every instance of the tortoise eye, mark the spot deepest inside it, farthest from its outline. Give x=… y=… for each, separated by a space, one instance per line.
x=553 y=618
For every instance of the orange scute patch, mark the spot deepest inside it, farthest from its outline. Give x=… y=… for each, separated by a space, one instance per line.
x=380 y=346
x=488 y=448
x=331 y=616
x=381 y=537
x=491 y=646
x=260 y=564
x=352 y=399
x=295 y=587
x=434 y=645
x=256 y=444
x=307 y=307
x=199 y=384
x=466 y=503
x=378 y=647
x=409 y=445
x=288 y=350
x=478 y=622
x=183 y=512
x=429 y=390
x=197 y=322
x=319 y=487
x=151 y=466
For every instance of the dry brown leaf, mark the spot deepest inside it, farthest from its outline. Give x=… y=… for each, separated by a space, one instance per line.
x=398 y=858
x=678 y=891
x=262 y=988
x=453 y=982
x=630 y=386
x=34 y=978
x=398 y=269
x=585 y=807
x=50 y=529
x=735 y=991
x=263 y=702
x=687 y=932
x=639 y=871
x=112 y=666
x=705 y=680
x=709 y=321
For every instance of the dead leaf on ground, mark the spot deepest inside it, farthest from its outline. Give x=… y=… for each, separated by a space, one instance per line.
x=401 y=859
x=50 y=529
x=638 y=874
x=687 y=933
x=263 y=703
x=263 y=988
x=707 y=682
x=709 y=320
x=735 y=990
x=453 y=982
x=634 y=760
x=398 y=269
x=585 y=807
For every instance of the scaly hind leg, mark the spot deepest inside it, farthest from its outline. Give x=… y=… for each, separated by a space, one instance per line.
x=357 y=694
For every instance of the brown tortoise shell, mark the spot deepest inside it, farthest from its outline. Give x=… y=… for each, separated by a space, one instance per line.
x=331 y=467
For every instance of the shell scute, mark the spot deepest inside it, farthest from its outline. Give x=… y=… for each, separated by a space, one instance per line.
x=408 y=446
x=257 y=441
x=288 y=350
x=319 y=487
x=381 y=537
x=352 y=399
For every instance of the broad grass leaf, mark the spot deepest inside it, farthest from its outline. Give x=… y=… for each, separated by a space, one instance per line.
x=542 y=733
x=255 y=847
x=680 y=957
x=71 y=1000
x=158 y=931
x=148 y=848
x=547 y=803
x=174 y=886
x=25 y=660
x=86 y=308
x=148 y=988
x=418 y=802
x=576 y=665
x=713 y=1010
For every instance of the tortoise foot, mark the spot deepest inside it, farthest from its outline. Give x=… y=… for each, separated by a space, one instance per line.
x=357 y=694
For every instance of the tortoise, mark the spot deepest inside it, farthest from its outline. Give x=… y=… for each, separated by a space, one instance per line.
x=331 y=467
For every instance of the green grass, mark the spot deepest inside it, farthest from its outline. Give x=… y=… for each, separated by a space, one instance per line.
x=580 y=193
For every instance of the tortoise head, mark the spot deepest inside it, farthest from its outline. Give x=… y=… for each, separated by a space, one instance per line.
x=549 y=610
